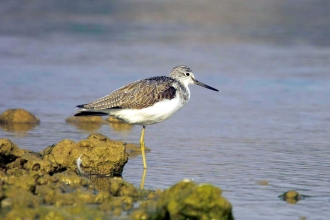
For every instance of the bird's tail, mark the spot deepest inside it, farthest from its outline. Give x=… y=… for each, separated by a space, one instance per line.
x=88 y=112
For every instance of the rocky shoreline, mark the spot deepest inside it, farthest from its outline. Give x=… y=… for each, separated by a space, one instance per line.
x=48 y=185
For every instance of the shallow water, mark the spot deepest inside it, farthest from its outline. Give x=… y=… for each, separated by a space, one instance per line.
x=270 y=120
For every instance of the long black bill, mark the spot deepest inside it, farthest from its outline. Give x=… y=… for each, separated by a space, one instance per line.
x=205 y=86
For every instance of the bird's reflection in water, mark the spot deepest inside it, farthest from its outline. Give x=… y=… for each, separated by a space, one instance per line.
x=94 y=123
x=87 y=123
x=118 y=125
x=90 y=127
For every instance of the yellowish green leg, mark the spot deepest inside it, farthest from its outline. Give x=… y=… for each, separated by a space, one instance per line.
x=143 y=178
x=143 y=148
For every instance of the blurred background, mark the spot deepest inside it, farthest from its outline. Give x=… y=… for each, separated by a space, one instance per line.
x=269 y=59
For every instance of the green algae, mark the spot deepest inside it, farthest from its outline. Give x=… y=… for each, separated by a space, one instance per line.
x=45 y=185
x=292 y=196
x=81 y=212
x=187 y=200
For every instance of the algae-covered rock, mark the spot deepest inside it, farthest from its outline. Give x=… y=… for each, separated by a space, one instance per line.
x=9 y=152
x=58 y=154
x=19 y=198
x=100 y=137
x=3 y=175
x=20 y=214
x=78 y=197
x=154 y=195
x=34 y=162
x=132 y=149
x=81 y=212
x=30 y=181
x=2 y=195
x=123 y=203
x=46 y=186
x=67 y=188
x=18 y=191
x=291 y=197
x=115 y=185
x=187 y=200
x=140 y=214
x=18 y=116
x=120 y=187
x=25 y=182
x=29 y=161
x=99 y=155
x=71 y=179
x=147 y=208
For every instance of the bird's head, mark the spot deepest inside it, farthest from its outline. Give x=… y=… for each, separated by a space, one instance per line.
x=185 y=75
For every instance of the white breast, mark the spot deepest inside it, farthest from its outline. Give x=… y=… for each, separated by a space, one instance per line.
x=158 y=112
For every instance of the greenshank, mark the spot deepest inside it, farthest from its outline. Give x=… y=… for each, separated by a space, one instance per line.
x=145 y=102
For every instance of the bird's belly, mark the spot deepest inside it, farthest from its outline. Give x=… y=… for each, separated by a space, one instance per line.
x=158 y=112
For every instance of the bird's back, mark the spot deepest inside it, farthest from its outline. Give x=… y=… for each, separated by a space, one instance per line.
x=137 y=95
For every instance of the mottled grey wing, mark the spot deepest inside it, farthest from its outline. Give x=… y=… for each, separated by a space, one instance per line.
x=137 y=95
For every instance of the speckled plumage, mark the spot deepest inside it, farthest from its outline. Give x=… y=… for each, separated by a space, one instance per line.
x=141 y=94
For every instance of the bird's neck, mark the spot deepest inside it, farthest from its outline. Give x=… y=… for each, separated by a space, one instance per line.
x=185 y=91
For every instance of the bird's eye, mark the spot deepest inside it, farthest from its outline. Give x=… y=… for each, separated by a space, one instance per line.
x=187 y=74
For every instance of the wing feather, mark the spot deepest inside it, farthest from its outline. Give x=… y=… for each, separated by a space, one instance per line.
x=137 y=95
